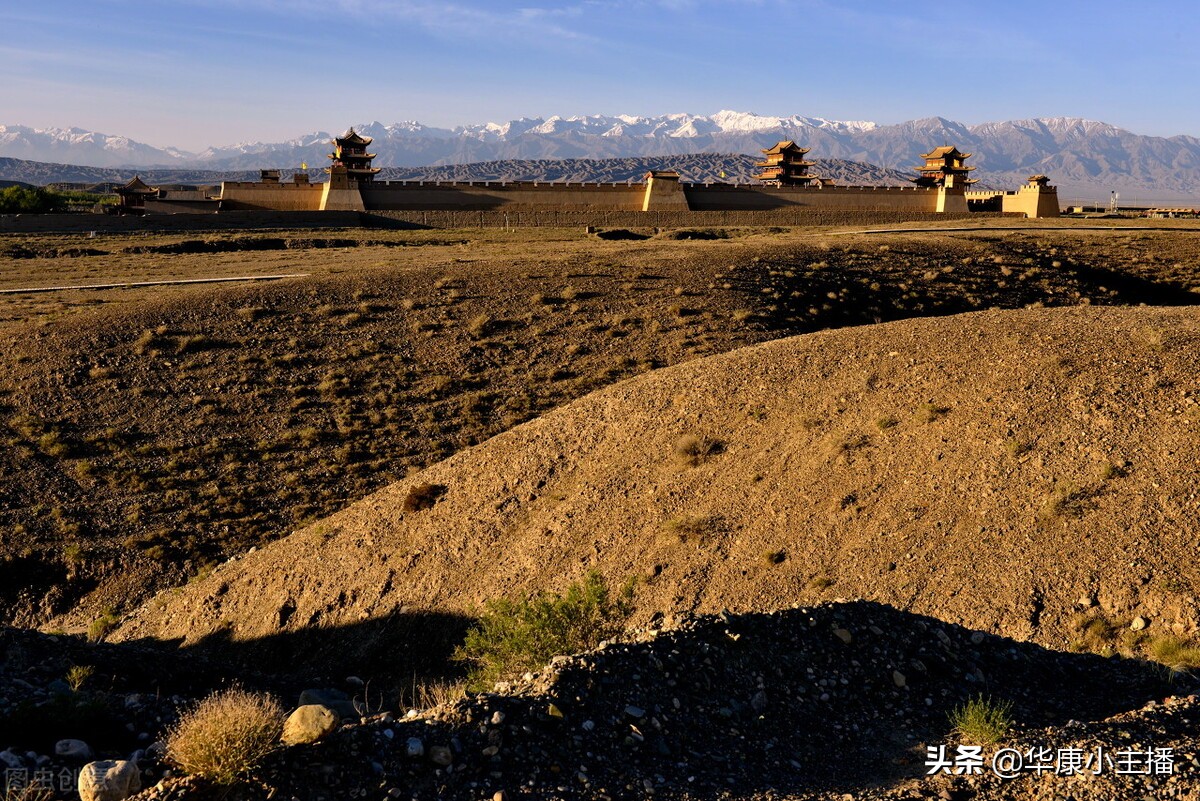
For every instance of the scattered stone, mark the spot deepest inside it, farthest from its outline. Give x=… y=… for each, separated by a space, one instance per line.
x=899 y=679
x=310 y=723
x=843 y=635
x=109 y=780
x=73 y=749
x=1139 y=623
x=441 y=755
x=413 y=747
x=635 y=711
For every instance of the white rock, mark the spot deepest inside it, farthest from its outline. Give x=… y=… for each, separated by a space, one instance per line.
x=11 y=760
x=1139 y=623
x=73 y=749
x=109 y=780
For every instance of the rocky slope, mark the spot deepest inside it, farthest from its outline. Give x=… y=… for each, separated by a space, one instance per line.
x=1022 y=472
x=836 y=700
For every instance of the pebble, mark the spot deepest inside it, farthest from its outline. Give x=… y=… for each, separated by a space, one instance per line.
x=441 y=755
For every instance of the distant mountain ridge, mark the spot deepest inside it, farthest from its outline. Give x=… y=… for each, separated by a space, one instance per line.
x=1085 y=158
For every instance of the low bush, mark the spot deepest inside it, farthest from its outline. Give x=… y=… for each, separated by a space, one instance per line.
x=516 y=636
x=226 y=735
x=982 y=721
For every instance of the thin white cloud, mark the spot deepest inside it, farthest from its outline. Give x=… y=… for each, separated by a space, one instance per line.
x=526 y=25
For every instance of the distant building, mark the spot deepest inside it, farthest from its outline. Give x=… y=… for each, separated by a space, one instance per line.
x=136 y=197
x=133 y=195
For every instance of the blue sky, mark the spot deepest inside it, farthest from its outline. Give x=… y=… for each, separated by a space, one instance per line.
x=191 y=73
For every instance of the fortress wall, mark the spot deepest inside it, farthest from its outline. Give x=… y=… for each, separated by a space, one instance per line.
x=225 y=221
x=1029 y=202
x=790 y=216
x=530 y=196
x=449 y=196
x=245 y=195
x=703 y=197
x=173 y=206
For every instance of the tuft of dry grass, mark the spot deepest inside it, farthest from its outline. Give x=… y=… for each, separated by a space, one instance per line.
x=431 y=693
x=226 y=735
x=1176 y=654
x=821 y=582
x=692 y=450
x=79 y=675
x=689 y=529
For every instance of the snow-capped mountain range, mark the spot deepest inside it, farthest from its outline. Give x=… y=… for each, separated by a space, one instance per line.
x=1081 y=156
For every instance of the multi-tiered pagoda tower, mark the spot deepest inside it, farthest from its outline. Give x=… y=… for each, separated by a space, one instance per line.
x=944 y=167
x=350 y=155
x=785 y=166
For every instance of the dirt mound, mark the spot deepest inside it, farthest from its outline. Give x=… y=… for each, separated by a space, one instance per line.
x=279 y=405
x=1027 y=473
x=806 y=703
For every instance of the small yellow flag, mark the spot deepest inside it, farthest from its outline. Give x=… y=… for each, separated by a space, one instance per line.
x=304 y=165
x=722 y=173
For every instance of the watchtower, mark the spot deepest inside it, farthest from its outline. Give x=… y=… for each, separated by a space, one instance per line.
x=944 y=167
x=784 y=165
x=350 y=153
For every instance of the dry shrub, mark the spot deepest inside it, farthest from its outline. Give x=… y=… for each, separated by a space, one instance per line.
x=226 y=735
x=691 y=450
x=431 y=693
